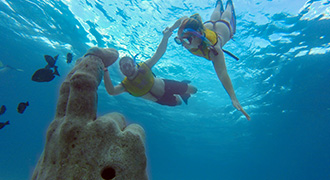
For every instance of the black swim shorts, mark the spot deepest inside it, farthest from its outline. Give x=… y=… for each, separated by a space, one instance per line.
x=172 y=87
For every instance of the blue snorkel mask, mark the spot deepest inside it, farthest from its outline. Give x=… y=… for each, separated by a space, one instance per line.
x=209 y=45
x=187 y=40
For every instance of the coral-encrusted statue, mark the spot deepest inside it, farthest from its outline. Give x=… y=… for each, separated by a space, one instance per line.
x=80 y=146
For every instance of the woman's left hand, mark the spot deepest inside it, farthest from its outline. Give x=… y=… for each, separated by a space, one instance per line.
x=238 y=106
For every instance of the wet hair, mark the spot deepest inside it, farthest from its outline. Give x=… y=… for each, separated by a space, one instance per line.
x=193 y=22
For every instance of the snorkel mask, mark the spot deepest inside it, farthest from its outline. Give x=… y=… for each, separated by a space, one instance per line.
x=127 y=66
x=188 y=39
x=207 y=42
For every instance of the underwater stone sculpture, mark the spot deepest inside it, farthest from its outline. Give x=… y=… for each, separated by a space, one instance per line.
x=80 y=146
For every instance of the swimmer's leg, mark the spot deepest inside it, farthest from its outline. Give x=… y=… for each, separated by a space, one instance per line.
x=178 y=100
x=217 y=13
x=190 y=90
x=230 y=16
x=185 y=97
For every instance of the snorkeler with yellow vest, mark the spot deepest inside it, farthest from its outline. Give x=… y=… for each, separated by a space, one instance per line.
x=207 y=39
x=140 y=81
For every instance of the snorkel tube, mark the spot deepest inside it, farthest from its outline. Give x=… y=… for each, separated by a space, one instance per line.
x=137 y=64
x=134 y=58
x=230 y=54
x=207 y=42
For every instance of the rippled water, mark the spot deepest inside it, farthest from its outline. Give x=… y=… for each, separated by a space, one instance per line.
x=281 y=79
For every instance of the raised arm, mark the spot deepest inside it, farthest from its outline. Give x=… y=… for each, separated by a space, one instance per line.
x=163 y=44
x=109 y=86
x=161 y=48
x=221 y=70
x=178 y=23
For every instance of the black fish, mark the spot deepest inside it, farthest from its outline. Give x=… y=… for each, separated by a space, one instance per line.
x=51 y=61
x=2 y=109
x=3 y=124
x=22 y=106
x=45 y=75
x=69 y=58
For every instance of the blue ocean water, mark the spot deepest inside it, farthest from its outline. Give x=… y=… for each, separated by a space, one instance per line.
x=281 y=79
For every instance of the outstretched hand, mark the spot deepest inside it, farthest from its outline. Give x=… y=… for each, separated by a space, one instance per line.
x=167 y=32
x=238 y=106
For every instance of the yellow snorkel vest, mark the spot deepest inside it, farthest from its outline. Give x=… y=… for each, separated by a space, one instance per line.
x=204 y=47
x=142 y=83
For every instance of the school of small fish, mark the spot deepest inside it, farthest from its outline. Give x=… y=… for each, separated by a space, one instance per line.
x=45 y=74
x=20 y=109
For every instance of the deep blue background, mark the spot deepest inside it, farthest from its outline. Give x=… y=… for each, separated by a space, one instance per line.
x=282 y=80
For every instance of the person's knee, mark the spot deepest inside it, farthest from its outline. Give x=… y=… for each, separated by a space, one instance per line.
x=178 y=100
x=191 y=89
